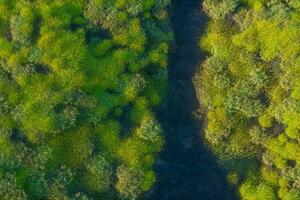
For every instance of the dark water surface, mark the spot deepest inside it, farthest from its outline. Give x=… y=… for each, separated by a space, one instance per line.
x=186 y=170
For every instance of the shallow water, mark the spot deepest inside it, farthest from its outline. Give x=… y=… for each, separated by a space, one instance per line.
x=186 y=170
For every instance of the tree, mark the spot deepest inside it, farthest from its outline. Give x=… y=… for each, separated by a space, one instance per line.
x=129 y=182
x=22 y=25
x=8 y=189
x=248 y=88
x=78 y=84
x=99 y=173
x=219 y=10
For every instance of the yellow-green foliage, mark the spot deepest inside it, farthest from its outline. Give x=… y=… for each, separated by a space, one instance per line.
x=78 y=84
x=249 y=87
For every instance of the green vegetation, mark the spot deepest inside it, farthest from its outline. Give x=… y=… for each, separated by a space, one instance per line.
x=79 y=80
x=249 y=88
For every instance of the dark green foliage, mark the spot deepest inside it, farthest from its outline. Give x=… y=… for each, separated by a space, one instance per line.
x=78 y=84
x=249 y=88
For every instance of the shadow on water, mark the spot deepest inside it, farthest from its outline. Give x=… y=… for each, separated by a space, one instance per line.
x=186 y=170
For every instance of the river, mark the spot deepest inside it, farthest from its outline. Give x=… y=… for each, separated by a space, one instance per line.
x=186 y=170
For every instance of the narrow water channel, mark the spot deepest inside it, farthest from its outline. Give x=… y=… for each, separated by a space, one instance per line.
x=186 y=170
